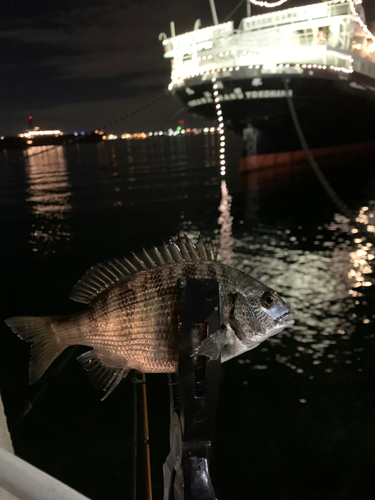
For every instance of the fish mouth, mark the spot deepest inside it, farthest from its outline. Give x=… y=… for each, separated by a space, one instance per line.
x=286 y=318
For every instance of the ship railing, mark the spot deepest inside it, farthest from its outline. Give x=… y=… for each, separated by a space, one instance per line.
x=324 y=56
x=308 y=13
x=256 y=55
x=338 y=9
x=245 y=49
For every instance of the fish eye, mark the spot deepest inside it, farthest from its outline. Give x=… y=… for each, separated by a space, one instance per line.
x=268 y=299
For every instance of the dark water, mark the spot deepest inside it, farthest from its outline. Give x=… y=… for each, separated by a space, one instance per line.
x=296 y=415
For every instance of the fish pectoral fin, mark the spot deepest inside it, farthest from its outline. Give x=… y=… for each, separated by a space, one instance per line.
x=212 y=345
x=102 y=376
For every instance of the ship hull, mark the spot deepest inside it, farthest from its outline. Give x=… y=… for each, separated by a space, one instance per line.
x=333 y=108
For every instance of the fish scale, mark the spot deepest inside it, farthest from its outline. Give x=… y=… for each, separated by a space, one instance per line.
x=132 y=322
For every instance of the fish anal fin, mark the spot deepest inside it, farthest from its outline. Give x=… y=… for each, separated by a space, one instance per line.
x=102 y=375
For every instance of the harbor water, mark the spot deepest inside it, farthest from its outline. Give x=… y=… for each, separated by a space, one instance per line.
x=296 y=415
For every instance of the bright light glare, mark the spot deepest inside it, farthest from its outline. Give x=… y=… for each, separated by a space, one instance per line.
x=267 y=4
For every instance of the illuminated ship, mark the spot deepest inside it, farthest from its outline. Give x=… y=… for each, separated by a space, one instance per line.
x=37 y=137
x=325 y=52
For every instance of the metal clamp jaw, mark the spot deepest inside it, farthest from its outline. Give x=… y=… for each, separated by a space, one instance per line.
x=193 y=395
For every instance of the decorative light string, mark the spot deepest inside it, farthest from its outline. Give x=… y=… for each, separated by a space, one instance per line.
x=262 y=3
x=348 y=69
x=182 y=80
x=352 y=4
x=220 y=128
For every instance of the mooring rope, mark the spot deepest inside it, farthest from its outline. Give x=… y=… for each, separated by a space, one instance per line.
x=234 y=11
x=340 y=204
x=75 y=140
x=134 y=112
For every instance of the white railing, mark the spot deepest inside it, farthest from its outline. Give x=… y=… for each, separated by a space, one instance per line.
x=293 y=36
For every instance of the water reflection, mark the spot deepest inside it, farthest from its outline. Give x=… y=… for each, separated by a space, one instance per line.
x=225 y=220
x=327 y=289
x=48 y=195
x=323 y=274
x=352 y=259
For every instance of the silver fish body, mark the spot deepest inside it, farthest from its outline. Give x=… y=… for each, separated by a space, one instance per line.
x=132 y=322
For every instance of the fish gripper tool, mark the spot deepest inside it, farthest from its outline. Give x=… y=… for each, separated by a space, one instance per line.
x=194 y=392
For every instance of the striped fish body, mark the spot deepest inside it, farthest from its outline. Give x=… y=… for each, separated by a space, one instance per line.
x=136 y=322
x=132 y=322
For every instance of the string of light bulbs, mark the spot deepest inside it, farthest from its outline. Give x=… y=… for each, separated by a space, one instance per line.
x=263 y=3
x=220 y=128
x=352 y=4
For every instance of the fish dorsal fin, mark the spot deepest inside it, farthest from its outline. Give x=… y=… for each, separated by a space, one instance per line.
x=102 y=276
x=102 y=376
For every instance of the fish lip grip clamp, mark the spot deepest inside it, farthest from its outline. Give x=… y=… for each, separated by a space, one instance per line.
x=194 y=392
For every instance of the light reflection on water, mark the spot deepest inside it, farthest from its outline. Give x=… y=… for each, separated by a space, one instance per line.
x=49 y=195
x=323 y=287
x=128 y=194
x=225 y=220
x=324 y=283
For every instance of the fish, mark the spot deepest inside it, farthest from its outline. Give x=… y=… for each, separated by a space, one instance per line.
x=132 y=321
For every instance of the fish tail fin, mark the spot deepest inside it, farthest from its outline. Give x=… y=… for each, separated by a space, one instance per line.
x=45 y=345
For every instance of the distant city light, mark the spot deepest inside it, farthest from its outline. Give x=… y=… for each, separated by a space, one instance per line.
x=38 y=133
x=170 y=132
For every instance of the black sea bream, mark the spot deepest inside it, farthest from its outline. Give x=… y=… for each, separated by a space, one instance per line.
x=132 y=321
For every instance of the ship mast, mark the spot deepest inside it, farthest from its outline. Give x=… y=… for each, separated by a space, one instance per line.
x=213 y=11
x=248 y=8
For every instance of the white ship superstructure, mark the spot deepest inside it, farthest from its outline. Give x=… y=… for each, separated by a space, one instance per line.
x=321 y=55
x=328 y=35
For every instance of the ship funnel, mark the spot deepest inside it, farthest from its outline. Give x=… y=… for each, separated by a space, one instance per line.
x=30 y=123
x=197 y=24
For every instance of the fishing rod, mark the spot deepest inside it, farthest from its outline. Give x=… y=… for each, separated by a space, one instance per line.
x=146 y=435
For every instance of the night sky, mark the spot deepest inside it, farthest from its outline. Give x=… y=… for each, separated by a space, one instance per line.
x=76 y=65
